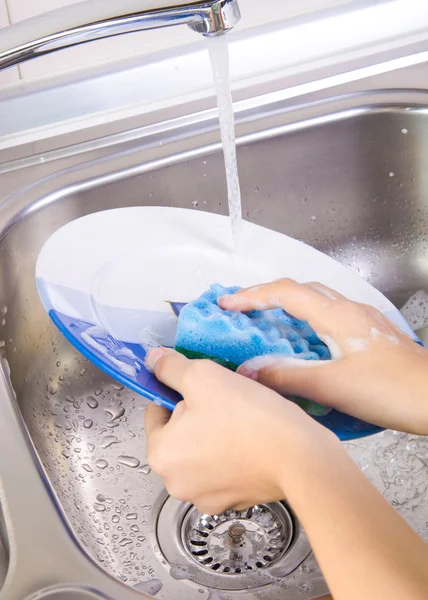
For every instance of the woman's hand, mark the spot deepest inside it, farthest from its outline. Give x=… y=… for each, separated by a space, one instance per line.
x=377 y=373
x=231 y=442
x=234 y=443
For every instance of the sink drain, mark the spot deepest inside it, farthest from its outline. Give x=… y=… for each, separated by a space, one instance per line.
x=235 y=550
x=238 y=541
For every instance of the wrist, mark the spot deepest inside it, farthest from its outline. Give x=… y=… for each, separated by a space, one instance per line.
x=314 y=456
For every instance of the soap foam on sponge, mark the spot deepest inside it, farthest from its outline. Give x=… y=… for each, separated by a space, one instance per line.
x=231 y=338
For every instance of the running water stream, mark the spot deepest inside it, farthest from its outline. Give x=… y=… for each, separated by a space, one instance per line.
x=219 y=56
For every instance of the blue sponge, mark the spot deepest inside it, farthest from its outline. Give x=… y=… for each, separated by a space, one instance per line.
x=231 y=338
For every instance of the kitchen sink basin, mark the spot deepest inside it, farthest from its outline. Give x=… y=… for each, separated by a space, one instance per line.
x=349 y=178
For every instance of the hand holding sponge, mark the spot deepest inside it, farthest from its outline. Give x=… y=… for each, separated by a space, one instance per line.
x=230 y=338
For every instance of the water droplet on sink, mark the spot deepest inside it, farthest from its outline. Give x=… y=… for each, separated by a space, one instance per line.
x=82 y=372
x=88 y=423
x=305 y=588
x=101 y=498
x=145 y=469
x=65 y=454
x=91 y=447
x=125 y=542
x=108 y=441
x=132 y=516
x=118 y=386
x=135 y=528
x=53 y=388
x=101 y=463
x=87 y=468
x=98 y=391
x=99 y=507
x=92 y=402
x=70 y=398
x=115 y=412
x=115 y=518
x=128 y=461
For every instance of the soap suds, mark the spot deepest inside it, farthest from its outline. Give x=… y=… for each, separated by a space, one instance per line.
x=280 y=362
x=357 y=344
x=335 y=351
x=149 y=339
x=375 y=334
x=326 y=292
x=125 y=368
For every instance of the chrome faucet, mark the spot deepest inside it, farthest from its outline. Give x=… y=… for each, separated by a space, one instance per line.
x=97 y=19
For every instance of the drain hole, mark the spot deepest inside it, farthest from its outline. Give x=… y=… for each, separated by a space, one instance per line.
x=216 y=567
x=200 y=552
x=198 y=543
x=202 y=533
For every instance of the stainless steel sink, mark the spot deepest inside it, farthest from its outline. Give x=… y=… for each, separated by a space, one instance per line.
x=345 y=173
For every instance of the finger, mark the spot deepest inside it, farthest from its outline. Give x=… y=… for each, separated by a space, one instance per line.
x=213 y=504
x=293 y=376
x=302 y=301
x=169 y=366
x=155 y=418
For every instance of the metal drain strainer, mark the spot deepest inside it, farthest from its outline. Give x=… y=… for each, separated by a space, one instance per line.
x=238 y=541
x=233 y=551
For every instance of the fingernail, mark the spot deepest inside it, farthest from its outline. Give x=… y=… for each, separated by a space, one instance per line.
x=247 y=372
x=153 y=356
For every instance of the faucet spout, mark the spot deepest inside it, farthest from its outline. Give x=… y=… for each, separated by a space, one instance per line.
x=97 y=19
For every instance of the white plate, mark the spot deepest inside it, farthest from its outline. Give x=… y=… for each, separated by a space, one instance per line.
x=114 y=281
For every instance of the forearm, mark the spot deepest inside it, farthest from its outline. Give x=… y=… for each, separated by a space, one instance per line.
x=364 y=548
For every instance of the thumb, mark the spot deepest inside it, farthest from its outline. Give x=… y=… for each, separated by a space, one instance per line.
x=156 y=417
x=289 y=376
